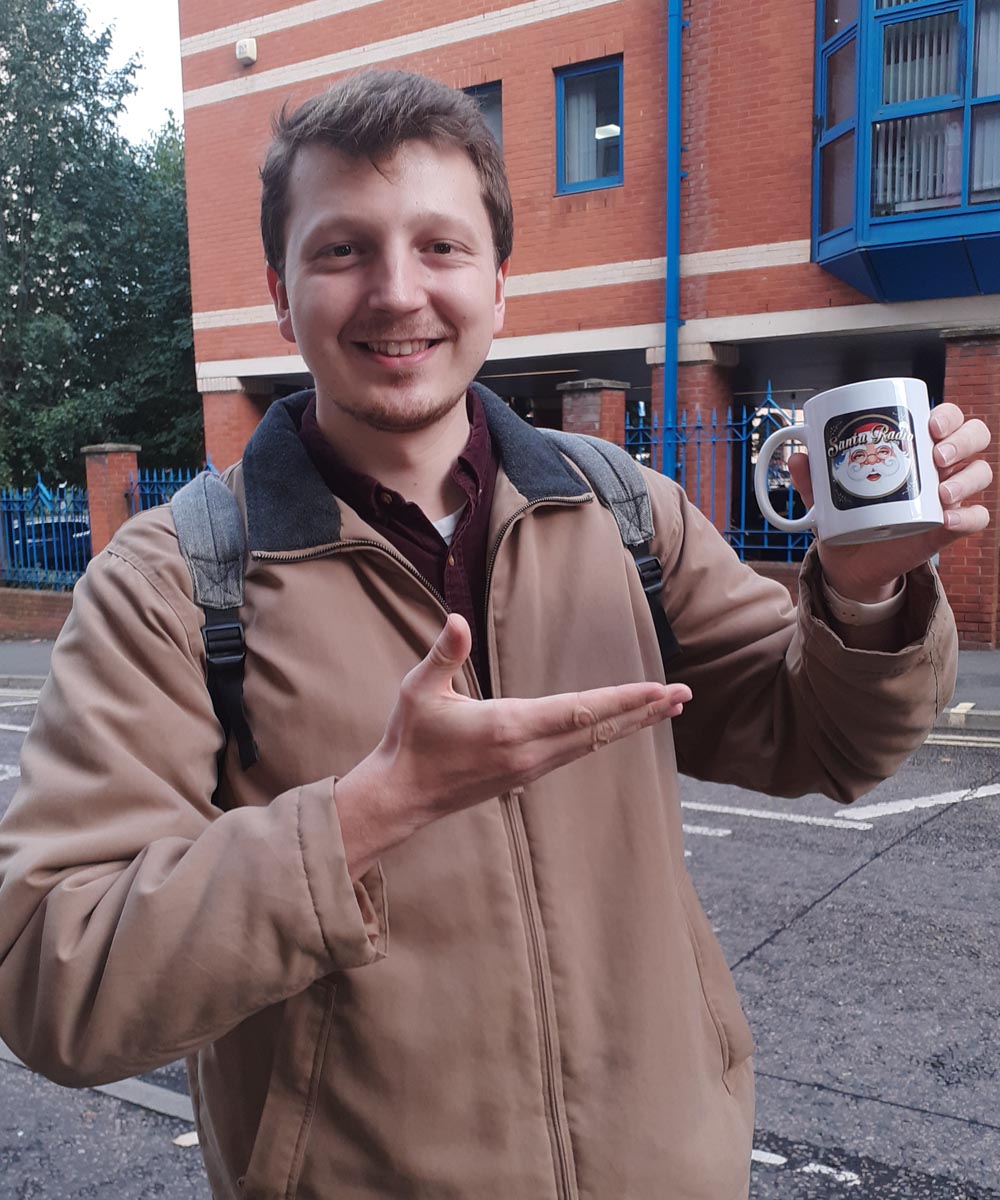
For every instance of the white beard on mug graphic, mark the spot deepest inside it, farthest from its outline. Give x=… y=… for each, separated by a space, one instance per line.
x=872 y=470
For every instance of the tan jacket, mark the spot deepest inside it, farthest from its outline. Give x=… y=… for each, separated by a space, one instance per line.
x=545 y=1013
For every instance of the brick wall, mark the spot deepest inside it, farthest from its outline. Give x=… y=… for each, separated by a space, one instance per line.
x=969 y=569
x=29 y=614
x=230 y=418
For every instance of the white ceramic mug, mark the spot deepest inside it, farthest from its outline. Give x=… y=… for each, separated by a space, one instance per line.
x=870 y=460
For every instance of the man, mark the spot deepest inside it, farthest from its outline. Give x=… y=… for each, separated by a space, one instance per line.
x=413 y=958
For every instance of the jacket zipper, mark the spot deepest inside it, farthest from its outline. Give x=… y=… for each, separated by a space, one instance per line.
x=514 y=819
x=515 y=822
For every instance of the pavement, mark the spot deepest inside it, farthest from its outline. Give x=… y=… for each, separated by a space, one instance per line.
x=975 y=705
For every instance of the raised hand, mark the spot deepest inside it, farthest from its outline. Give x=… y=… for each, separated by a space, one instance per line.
x=871 y=572
x=442 y=751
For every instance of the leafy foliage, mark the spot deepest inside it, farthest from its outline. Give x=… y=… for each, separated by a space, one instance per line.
x=95 y=312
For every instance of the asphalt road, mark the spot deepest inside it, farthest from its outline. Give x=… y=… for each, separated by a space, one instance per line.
x=865 y=945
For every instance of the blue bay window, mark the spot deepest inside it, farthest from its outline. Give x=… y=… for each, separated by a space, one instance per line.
x=589 y=126
x=907 y=163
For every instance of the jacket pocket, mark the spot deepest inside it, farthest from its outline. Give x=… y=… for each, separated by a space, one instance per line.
x=721 y=999
x=283 y=1133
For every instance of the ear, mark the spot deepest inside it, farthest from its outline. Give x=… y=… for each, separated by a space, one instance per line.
x=500 y=302
x=279 y=296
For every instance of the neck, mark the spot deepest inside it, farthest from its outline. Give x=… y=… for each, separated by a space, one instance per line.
x=417 y=463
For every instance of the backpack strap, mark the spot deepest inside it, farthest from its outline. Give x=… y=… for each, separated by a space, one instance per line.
x=618 y=483
x=212 y=539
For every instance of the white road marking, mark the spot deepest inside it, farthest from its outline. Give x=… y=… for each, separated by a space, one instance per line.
x=18 y=703
x=847 y=1177
x=978 y=741
x=964 y=707
x=701 y=830
x=767 y=1158
x=9 y=773
x=890 y=808
x=187 y=1139
x=766 y=814
x=14 y=728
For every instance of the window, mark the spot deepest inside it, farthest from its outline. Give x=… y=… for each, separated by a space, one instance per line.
x=907 y=132
x=589 y=126
x=924 y=135
x=490 y=99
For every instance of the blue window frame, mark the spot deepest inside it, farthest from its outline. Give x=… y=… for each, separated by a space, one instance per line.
x=589 y=126
x=907 y=122
x=489 y=97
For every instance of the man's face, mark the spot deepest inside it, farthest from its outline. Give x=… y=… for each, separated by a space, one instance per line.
x=873 y=470
x=391 y=289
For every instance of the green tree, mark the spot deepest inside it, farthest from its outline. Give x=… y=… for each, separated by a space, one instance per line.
x=95 y=328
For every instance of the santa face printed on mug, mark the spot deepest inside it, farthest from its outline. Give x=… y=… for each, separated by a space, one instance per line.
x=871 y=458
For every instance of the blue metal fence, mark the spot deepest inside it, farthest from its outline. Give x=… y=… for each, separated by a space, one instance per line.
x=715 y=456
x=155 y=487
x=45 y=536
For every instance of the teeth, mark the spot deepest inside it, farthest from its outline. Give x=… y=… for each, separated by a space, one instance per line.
x=398 y=349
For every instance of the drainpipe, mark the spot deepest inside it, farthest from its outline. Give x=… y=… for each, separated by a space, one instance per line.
x=672 y=307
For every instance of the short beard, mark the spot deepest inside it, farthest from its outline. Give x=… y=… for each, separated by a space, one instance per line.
x=387 y=418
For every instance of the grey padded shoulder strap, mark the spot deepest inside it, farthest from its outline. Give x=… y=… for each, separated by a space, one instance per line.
x=616 y=479
x=212 y=540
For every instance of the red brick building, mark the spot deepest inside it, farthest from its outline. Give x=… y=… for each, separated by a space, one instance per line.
x=838 y=216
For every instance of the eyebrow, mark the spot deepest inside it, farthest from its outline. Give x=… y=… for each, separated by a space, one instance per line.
x=347 y=224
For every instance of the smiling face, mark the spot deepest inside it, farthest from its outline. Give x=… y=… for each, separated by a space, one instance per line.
x=391 y=289
x=873 y=470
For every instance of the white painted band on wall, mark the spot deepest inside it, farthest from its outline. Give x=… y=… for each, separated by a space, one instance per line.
x=483 y=25
x=707 y=262
x=298 y=14
x=575 y=341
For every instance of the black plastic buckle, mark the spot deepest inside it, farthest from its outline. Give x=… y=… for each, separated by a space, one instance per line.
x=224 y=644
x=650 y=573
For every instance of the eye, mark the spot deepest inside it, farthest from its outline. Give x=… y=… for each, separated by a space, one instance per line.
x=443 y=247
x=340 y=250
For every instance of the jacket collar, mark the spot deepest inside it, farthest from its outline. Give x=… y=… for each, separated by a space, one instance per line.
x=290 y=508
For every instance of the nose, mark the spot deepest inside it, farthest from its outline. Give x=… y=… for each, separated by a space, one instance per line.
x=397 y=284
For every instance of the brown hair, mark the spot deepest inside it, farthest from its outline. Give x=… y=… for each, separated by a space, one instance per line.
x=370 y=115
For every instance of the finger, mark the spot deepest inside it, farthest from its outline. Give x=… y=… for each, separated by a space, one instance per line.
x=972 y=518
x=564 y=748
x=944 y=420
x=798 y=468
x=968 y=440
x=968 y=482
x=525 y=721
x=445 y=658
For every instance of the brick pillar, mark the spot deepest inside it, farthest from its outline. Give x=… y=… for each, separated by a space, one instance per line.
x=231 y=410
x=704 y=396
x=969 y=569
x=111 y=471
x=594 y=406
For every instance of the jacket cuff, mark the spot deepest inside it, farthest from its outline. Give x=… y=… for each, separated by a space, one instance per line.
x=352 y=915
x=925 y=615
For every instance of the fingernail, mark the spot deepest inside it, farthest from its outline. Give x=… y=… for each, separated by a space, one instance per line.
x=951 y=519
x=947 y=453
x=947 y=494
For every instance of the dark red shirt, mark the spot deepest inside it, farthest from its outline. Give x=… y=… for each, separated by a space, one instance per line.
x=456 y=572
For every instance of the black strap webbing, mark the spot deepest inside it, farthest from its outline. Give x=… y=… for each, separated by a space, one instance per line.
x=225 y=652
x=651 y=575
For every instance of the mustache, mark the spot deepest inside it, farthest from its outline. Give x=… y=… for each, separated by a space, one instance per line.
x=374 y=333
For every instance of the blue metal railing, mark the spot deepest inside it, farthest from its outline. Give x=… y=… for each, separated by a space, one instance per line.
x=45 y=536
x=155 y=487
x=714 y=459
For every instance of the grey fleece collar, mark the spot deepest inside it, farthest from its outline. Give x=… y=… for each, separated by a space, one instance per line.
x=290 y=508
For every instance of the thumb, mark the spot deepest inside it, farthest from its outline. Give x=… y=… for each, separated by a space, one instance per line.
x=798 y=469
x=452 y=647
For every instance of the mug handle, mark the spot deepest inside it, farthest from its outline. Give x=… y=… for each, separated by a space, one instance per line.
x=791 y=433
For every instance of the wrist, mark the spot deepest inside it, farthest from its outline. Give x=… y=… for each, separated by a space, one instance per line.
x=851 y=610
